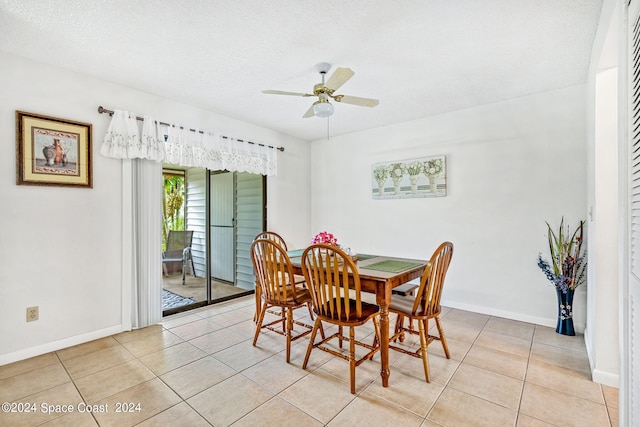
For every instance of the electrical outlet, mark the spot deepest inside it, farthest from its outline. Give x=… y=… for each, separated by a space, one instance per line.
x=32 y=313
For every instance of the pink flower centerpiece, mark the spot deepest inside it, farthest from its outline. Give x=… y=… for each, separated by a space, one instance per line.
x=325 y=237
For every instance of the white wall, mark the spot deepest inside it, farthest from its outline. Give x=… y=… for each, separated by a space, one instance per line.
x=287 y=205
x=60 y=247
x=603 y=191
x=511 y=166
x=604 y=233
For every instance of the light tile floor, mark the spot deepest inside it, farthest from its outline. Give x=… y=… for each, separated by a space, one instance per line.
x=200 y=369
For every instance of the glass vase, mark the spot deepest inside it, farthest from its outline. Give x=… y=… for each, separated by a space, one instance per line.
x=565 y=313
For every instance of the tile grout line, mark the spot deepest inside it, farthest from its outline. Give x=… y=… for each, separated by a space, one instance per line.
x=526 y=372
x=74 y=386
x=478 y=397
x=475 y=343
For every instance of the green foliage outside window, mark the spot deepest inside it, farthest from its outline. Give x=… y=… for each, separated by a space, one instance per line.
x=172 y=205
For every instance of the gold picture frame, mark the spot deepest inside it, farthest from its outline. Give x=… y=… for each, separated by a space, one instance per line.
x=52 y=151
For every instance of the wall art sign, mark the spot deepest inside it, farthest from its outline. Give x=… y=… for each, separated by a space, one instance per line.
x=52 y=151
x=423 y=177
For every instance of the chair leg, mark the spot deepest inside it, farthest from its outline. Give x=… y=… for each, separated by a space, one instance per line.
x=313 y=318
x=376 y=338
x=289 y=312
x=399 y=325
x=376 y=325
x=340 y=336
x=352 y=359
x=311 y=340
x=423 y=348
x=259 y=323
x=443 y=340
x=183 y=271
x=310 y=311
x=258 y=303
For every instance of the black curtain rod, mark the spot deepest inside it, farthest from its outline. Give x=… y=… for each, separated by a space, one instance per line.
x=103 y=110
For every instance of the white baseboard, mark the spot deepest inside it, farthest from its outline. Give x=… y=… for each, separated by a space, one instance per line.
x=542 y=321
x=606 y=378
x=589 y=345
x=597 y=375
x=58 y=345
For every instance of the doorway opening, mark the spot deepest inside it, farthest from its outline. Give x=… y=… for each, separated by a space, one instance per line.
x=220 y=212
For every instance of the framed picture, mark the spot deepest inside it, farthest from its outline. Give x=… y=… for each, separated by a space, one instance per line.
x=52 y=151
x=403 y=179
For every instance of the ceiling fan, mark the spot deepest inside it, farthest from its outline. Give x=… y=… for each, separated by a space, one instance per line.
x=325 y=92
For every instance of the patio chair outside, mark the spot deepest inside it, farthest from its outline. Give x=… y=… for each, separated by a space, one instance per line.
x=178 y=250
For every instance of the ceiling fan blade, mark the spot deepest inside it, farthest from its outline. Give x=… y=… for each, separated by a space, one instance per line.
x=338 y=78
x=356 y=100
x=281 y=92
x=309 y=112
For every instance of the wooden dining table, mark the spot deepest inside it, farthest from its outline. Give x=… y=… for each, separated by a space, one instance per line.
x=378 y=275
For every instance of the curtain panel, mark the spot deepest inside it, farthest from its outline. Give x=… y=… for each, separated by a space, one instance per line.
x=180 y=146
x=146 y=242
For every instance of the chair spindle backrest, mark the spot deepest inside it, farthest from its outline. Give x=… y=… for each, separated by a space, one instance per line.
x=330 y=273
x=273 y=271
x=272 y=236
x=432 y=281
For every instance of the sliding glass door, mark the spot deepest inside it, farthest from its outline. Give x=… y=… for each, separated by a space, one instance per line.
x=237 y=206
x=223 y=211
x=184 y=283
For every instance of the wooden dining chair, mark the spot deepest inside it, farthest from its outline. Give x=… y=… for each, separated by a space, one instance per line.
x=275 y=237
x=424 y=306
x=278 y=239
x=272 y=268
x=330 y=275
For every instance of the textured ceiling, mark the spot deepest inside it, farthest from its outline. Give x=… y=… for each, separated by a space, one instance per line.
x=418 y=57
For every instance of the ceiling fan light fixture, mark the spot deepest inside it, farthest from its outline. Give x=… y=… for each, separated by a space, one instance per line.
x=322 y=109
x=325 y=92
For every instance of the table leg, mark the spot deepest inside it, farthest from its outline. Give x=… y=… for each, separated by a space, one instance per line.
x=383 y=301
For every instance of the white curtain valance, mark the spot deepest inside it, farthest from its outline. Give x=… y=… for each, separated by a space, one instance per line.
x=184 y=147
x=121 y=134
